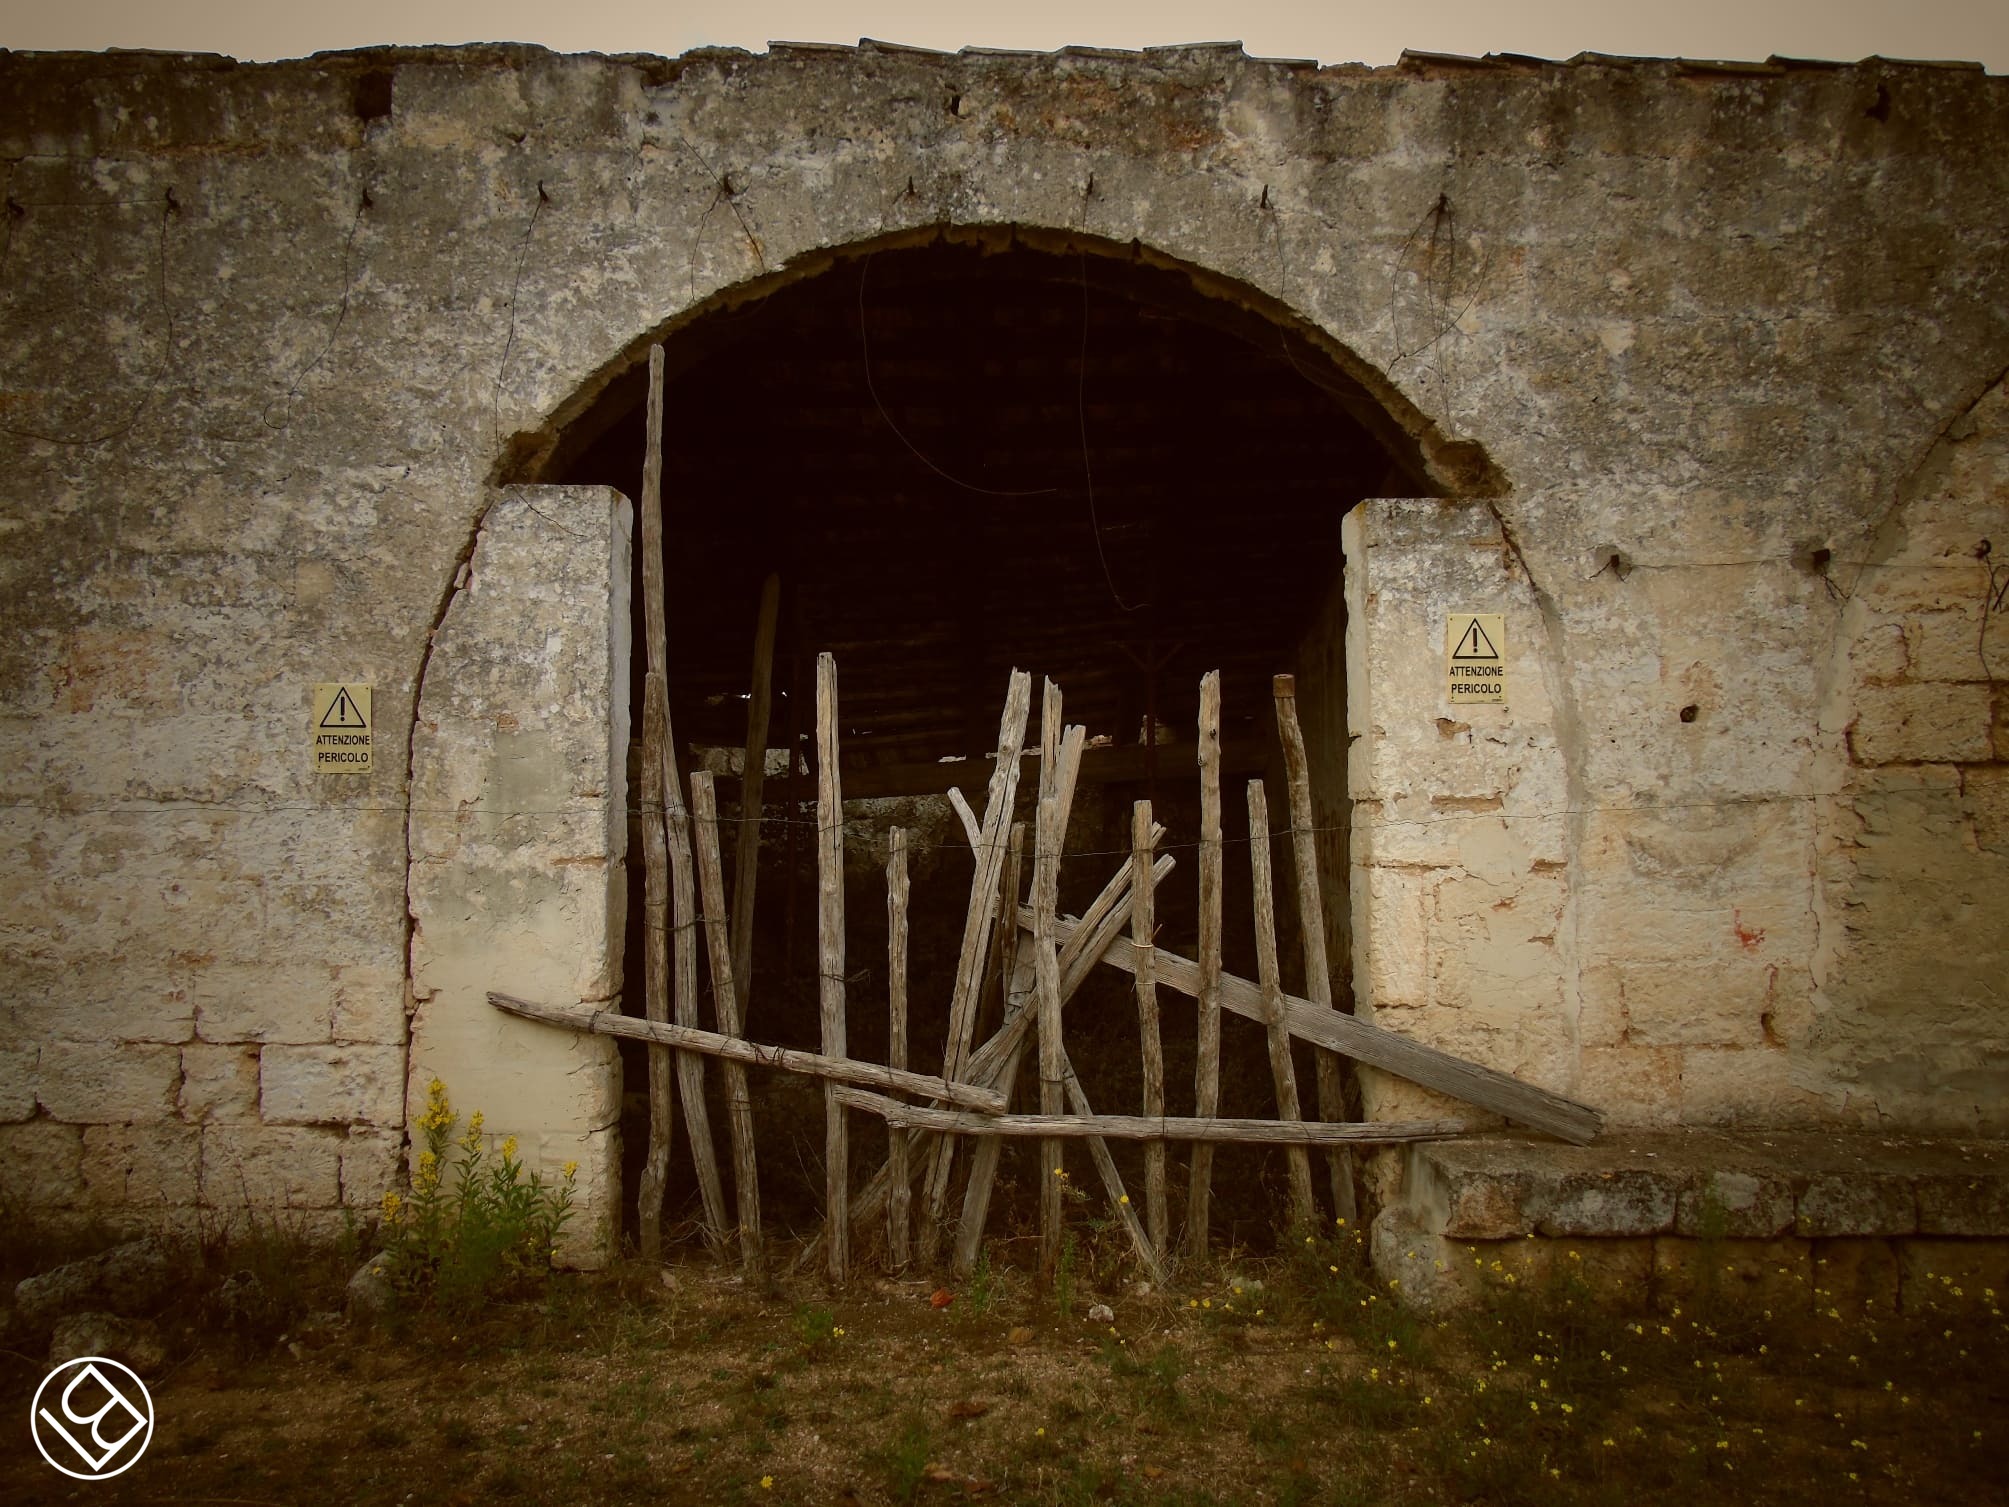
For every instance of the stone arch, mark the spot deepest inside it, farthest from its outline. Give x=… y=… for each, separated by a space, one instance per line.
x=548 y=581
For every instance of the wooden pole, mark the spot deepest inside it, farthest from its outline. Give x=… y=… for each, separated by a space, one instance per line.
x=1207 y=1062
x=899 y=1204
x=977 y=924
x=1143 y=927
x=1056 y=779
x=1004 y=944
x=753 y=776
x=969 y=1096
x=1311 y=926
x=830 y=966
x=656 y=974
x=731 y=1020
x=1144 y=1128
x=1304 y=1211
x=676 y=824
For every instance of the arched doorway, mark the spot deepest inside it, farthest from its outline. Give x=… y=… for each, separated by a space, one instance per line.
x=963 y=452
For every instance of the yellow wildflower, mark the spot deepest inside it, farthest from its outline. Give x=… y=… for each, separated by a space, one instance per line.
x=571 y=1170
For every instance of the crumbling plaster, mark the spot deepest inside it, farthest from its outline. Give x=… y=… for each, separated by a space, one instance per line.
x=270 y=334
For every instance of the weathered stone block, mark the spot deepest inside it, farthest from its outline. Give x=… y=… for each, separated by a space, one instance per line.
x=1855 y=1203
x=267 y=1167
x=108 y=1082
x=1934 y=722
x=333 y=1085
x=369 y=1006
x=1740 y=1205
x=144 y=1165
x=1631 y=1086
x=17 y=1084
x=1879 y=654
x=1753 y=1274
x=282 y=1003
x=219 y=1082
x=372 y=1165
x=1726 y=1085
x=1718 y=1001
x=41 y=1163
x=1956 y=1204
x=1609 y=1204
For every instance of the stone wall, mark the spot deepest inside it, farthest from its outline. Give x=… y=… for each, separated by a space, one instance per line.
x=268 y=335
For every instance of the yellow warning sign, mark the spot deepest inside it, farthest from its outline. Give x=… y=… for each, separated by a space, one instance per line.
x=341 y=728
x=1475 y=659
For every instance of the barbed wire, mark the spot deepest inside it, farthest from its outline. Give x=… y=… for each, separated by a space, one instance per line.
x=1276 y=834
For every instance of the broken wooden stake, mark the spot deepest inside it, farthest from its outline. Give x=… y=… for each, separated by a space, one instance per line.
x=1303 y=1211
x=899 y=1205
x=1311 y=929
x=830 y=967
x=1143 y=928
x=1060 y=756
x=753 y=777
x=655 y=976
x=677 y=827
x=978 y=923
x=1207 y=1063
x=725 y=1000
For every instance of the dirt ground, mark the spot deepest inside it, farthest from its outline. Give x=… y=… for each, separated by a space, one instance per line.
x=1286 y=1381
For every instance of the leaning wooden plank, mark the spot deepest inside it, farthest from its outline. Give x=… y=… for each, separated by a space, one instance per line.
x=1006 y=1049
x=984 y=1160
x=1282 y=1071
x=1143 y=928
x=656 y=975
x=1112 y=1180
x=971 y=1096
x=898 y=1207
x=1311 y=929
x=1482 y=1087
x=830 y=966
x=1144 y=1128
x=1207 y=1060
x=990 y=860
x=676 y=822
x=725 y=998
x=978 y=923
x=753 y=775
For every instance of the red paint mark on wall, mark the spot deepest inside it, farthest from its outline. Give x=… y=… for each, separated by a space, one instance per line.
x=1748 y=937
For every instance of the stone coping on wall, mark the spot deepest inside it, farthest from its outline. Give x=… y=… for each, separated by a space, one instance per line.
x=1707 y=1183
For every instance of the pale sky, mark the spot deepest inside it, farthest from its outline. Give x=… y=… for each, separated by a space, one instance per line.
x=1332 y=31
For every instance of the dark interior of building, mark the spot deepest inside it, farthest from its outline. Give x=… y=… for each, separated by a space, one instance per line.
x=961 y=458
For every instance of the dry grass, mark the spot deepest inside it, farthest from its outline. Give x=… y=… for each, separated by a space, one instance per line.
x=1279 y=1382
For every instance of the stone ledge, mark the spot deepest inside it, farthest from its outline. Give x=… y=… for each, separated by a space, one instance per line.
x=1754 y=1185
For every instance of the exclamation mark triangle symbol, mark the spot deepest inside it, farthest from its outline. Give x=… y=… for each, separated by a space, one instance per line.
x=342 y=712
x=1475 y=644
